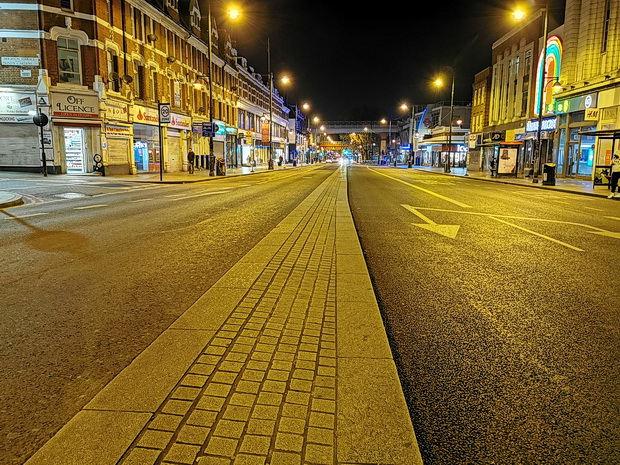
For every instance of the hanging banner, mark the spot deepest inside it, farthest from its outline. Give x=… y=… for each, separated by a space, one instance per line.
x=265 y=131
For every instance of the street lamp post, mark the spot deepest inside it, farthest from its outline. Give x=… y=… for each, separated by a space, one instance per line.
x=447 y=166
x=211 y=162
x=537 y=157
x=439 y=82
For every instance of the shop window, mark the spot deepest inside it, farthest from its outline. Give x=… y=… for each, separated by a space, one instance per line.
x=69 y=60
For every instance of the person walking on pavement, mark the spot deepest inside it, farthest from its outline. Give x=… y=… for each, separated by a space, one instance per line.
x=190 y=161
x=615 y=175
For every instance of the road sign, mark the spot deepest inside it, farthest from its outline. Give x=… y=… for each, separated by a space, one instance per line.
x=209 y=129
x=164 y=113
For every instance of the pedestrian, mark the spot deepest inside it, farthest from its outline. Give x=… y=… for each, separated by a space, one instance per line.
x=190 y=161
x=615 y=175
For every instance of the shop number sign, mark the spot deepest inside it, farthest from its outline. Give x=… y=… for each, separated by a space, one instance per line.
x=164 y=113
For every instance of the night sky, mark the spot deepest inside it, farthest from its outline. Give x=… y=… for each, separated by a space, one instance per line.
x=357 y=62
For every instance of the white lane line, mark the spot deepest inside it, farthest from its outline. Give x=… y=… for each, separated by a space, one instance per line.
x=24 y=216
x=537 y=234
x=435 y=194
x=101 y=205
x=592 y=208
x=200 y=195
x=140 y=200
x=612 y=218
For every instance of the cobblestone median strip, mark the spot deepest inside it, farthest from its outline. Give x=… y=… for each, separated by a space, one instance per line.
x=265 y=389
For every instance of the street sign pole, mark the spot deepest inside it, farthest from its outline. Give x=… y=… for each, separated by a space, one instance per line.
x=41 y=119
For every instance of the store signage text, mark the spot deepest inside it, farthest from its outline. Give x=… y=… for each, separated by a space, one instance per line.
x=548 y=124
x=582 y=102
x=77 y=106
x=14 y=107
x=19 y=61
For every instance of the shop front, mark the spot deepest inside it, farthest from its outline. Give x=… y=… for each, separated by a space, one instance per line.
x=530 y=138
x=20 y=137
x=146 y=145
x=178 y=140
x=76 y=130
x=580 y=117
x=116 y=143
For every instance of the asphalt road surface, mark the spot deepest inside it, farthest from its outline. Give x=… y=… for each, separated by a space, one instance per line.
x=501 y=304
x=94 y=270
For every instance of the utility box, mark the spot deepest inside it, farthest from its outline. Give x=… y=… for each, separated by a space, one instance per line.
x=549 y=174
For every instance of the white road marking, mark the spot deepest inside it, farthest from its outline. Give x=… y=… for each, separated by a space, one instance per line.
x=448 y=230
x=537 y=234
x=100 y=205
x=24 y=216
x=435 y=194
x=200 y=195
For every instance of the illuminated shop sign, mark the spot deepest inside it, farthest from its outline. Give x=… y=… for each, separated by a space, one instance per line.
x=548 y=124
x=582 y=102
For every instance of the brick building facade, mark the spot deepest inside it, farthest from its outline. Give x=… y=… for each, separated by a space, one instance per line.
x=98 y=69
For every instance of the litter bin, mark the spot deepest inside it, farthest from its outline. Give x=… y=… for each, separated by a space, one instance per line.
x=549 y=174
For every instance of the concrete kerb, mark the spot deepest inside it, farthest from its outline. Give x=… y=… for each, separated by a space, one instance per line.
x=367 y=385
x=8 y=199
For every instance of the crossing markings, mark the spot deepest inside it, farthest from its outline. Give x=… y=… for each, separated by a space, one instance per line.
x=426 y=191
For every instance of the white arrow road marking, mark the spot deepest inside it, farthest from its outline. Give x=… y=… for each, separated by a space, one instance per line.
x=435 y=194
x=504 y=218
x=448 y=230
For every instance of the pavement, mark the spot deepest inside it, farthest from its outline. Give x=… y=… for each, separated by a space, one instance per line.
x=283 y=361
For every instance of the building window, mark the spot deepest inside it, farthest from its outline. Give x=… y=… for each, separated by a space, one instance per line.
x=69 y=60
x=113 y=76
x=66 y=4
x=606 y=19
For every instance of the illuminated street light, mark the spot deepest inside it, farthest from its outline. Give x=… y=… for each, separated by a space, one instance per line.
x=519 y=15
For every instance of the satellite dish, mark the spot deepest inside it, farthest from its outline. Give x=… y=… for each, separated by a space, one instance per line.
x=113 y=76
x=127 y=78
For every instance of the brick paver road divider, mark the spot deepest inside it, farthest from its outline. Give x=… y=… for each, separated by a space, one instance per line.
x=285 y=360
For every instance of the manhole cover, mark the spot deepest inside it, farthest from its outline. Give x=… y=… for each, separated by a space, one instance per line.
x=70 y=195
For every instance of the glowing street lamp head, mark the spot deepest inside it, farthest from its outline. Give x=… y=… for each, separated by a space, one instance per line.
x=439 y=82
x=234 y=13
x=518 y=15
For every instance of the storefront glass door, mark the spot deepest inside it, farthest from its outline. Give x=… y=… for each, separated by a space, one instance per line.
x=74 y=150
